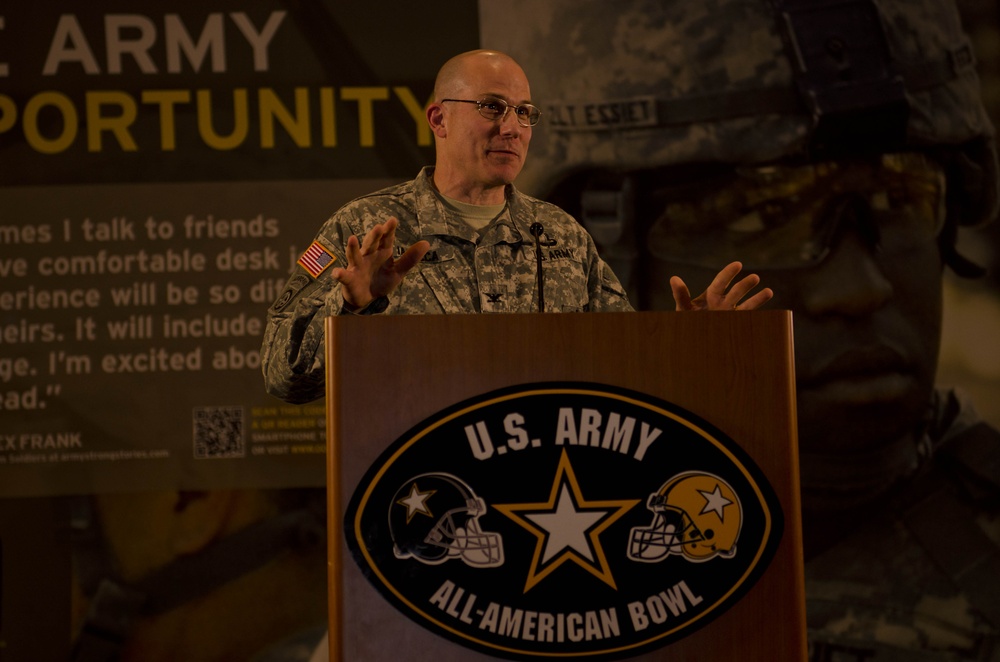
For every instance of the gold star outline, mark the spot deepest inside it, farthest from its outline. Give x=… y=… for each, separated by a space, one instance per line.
x=597 y=515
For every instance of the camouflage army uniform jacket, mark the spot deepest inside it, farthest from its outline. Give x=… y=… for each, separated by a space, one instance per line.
x=465 y=271
x=917 y=576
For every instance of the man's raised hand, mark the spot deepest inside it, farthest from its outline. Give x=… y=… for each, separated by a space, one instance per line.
x=371 y=270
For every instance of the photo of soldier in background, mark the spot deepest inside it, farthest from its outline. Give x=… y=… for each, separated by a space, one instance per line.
x=837 y=149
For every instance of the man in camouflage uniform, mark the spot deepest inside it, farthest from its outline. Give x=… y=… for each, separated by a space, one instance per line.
x=838 y=146
x=468 y=235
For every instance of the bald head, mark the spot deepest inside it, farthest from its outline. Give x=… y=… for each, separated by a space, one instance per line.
x=478 y=155
x=462 y=73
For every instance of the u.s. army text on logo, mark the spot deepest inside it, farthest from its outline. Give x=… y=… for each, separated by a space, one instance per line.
x=563 y=520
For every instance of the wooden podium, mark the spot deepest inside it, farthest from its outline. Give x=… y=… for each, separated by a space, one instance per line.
x=732 y=370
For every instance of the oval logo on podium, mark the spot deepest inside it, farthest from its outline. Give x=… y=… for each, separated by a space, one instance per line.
x=563 y=519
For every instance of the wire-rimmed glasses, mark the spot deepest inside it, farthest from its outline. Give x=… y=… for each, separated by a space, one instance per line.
x=493 y=108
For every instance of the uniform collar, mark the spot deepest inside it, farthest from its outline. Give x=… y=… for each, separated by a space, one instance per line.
x=434 y=217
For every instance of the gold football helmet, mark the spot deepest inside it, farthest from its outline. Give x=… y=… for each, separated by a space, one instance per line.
x=695 y=515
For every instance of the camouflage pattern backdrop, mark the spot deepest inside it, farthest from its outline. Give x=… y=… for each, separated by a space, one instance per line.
x=161 y=171
x=845 y=152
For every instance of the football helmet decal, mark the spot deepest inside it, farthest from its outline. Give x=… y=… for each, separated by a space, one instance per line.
x=434 y=517
x=695 y=515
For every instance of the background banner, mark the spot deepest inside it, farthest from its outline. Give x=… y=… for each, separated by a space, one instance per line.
x=162 y=166
x=161 y=173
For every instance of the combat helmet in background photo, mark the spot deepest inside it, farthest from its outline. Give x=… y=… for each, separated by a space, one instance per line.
x=688 y=135
x=631 y=88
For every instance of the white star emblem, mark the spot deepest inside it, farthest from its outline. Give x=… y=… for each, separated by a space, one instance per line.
x=714 y=501
x=416 y=502
x=567 y=527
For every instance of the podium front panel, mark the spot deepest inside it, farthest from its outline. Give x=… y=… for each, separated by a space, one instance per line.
x=397 y=379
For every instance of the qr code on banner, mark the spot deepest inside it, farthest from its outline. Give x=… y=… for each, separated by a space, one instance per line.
x=218 y=432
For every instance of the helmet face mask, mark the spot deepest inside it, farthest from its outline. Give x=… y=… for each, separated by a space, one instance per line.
x=476 y=547
x=670 y=530
x=780 y=216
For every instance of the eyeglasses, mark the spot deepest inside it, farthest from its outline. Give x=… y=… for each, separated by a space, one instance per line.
x=780 y=216
x=787 y=216
x=493 y=108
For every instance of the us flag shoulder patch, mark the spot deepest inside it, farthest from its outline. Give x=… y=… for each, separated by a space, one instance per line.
x=316 y=259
